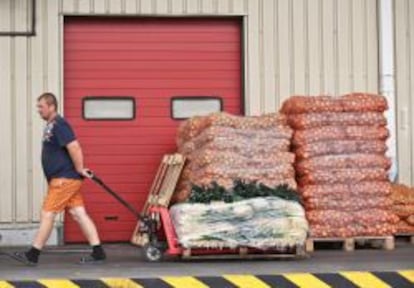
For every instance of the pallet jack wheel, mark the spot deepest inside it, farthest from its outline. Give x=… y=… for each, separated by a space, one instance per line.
x=152 y=252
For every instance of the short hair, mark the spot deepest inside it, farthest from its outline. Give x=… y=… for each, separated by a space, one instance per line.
x=50 y=99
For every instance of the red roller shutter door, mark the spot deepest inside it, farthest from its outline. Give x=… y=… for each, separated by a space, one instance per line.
x=151 y=60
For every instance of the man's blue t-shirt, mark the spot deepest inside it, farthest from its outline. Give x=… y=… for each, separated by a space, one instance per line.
x=56 y=160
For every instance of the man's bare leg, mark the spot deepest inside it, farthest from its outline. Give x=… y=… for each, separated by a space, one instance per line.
x=88 y=228
x=86 y=224
x=31 y=257
x=46 y=226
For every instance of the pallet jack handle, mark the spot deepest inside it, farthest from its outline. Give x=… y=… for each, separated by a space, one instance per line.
x=99 y=181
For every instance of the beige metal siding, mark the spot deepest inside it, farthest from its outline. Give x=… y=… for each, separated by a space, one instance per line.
x=404 y=51
x=291 y=47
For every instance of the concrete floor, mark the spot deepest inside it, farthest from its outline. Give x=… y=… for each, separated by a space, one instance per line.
x=126 y=261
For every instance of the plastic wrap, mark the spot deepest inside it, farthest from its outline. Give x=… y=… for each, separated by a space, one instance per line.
x=330 y=133
x=314 y=120
x=356 y=102
x=258 y=222
x=340 y=147
x=343 y=161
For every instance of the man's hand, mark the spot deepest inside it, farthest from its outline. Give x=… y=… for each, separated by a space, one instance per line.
x=85 y=172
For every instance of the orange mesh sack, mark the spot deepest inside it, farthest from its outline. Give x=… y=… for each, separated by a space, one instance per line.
x=355 y=102
x=335 y=133
x=340 y=147
x=343 y=161
x=315 y=120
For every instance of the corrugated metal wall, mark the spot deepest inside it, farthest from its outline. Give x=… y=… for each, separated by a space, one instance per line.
x=291 y=47
x=404 y=52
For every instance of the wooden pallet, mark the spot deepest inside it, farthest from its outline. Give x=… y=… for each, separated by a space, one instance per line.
x=348 y=244
x=162 y=189
x=408 y=236
x=245 y=253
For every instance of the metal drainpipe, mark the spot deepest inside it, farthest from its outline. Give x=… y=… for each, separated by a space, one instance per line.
x=387 y=75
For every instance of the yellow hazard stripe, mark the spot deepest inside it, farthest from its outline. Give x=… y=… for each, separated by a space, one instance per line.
x=303 y=280
x=4 y=284
x=121 y=282
x=408 y=274
x=61 y=283
x=365 y=280
x=180 y=282
x=246 y=281
x=306 y=280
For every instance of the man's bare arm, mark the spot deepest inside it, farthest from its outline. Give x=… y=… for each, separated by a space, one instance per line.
x=75 y=152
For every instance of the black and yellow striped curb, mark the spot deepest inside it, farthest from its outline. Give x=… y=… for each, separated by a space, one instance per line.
x=398 y=279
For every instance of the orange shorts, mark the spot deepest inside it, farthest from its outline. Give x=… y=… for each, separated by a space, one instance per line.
x=63 y=193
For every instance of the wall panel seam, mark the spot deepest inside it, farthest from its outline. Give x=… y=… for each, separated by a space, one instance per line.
x=13 y=115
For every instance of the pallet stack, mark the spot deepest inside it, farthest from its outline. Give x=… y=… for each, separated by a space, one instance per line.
x=341 y=167
x=223 y=148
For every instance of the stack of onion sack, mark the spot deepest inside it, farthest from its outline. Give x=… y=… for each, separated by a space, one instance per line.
x=403 y=206
x=223 y=147
x=341 y=167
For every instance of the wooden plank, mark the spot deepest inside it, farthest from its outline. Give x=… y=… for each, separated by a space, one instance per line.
x=241 y=253
x=161 y=190
x=348 y=244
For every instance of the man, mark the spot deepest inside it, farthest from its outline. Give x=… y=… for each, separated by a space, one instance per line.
x=62 y=161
